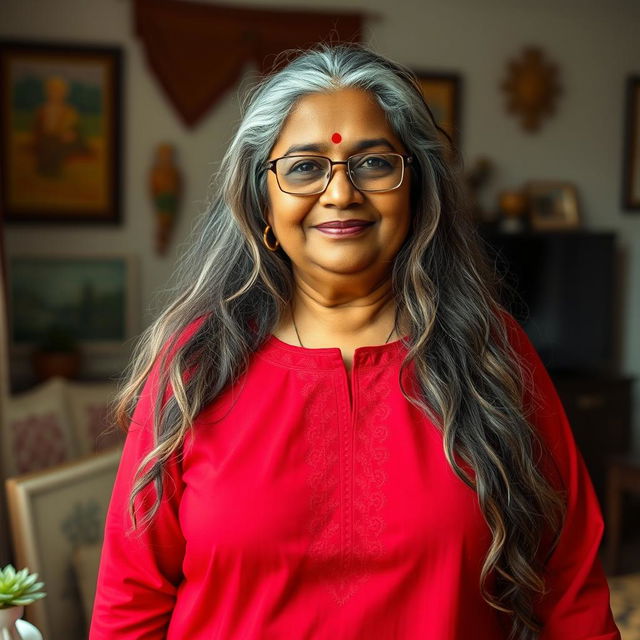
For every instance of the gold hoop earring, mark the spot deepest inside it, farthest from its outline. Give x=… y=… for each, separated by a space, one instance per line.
x=266 y=241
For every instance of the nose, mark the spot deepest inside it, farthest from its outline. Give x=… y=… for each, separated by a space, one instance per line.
x=340 y=191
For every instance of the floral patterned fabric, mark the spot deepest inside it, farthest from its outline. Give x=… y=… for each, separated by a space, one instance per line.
x=55 y=422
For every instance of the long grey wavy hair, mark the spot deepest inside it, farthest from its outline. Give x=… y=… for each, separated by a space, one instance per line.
x=470 y=382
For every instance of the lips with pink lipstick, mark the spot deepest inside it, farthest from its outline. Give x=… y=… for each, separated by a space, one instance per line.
x=341 y=228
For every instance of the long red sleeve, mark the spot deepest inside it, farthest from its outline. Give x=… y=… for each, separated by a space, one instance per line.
x=576 y=606
x=139 y=571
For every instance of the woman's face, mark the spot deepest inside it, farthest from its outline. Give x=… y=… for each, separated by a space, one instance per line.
x=337 y=125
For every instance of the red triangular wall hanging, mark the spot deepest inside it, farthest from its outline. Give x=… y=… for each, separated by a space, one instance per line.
x=198 y=51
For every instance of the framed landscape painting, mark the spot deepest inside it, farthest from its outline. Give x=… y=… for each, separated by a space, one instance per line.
x=60 y=152
x=90 y=299
x=442 y=93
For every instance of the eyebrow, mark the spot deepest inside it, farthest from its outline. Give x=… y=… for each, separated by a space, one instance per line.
x=360 y=146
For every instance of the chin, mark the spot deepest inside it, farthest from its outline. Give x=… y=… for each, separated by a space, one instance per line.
x=347 y=267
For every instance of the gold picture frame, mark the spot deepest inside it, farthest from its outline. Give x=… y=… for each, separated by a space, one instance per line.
x=60 y=132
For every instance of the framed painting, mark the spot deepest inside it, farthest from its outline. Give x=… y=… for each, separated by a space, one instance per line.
x=631 y=163
x=88 y=300
x=60 y=133
x=442 y=92
x=54 y=513
x=553 y=205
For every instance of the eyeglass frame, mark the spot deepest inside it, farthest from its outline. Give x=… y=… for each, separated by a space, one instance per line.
x=270 y=165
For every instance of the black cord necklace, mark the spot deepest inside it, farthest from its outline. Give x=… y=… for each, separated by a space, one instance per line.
x=295 y=326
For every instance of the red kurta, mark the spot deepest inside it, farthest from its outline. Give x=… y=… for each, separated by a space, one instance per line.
x=303 y=511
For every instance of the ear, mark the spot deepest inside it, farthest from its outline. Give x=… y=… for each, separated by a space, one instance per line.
x=268 y=216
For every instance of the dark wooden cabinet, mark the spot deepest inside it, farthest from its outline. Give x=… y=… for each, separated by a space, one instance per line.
x=599 y=410
x=563 y=287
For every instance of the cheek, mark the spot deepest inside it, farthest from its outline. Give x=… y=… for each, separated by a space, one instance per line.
x=398 y=209
x=408 y=203
x=287 y=212
x=398 y=220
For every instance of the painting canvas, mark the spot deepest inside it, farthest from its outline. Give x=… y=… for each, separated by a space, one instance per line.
x=442 y=93
x=60 y=115
x=54 y=513
x=88 y=298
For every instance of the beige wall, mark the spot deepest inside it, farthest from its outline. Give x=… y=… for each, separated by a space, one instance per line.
x=594 y=43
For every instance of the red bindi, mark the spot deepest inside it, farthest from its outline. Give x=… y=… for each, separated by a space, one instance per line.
x=336 y=137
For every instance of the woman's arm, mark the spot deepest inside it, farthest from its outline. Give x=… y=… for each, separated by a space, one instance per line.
x=139 y=571
x=576 y=605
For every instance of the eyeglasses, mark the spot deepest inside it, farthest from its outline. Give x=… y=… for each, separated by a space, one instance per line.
x=309 y=175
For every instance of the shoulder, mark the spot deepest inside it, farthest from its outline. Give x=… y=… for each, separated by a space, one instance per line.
x=535 y=378
x=156 y=380
x=542 y=405
x=531 y=368
x=514 y=332
x=181 y=336
x=173 y=344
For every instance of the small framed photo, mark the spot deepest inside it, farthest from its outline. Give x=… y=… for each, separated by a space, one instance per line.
x=631 y=163
x=442 y=92
x=55 y=513
x=91 y=300
x=60 y=142
x=553 y=205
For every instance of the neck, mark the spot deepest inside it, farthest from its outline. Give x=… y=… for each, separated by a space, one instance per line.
x=337 y=317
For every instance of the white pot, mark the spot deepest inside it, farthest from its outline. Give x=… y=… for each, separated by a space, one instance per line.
x=13 y=628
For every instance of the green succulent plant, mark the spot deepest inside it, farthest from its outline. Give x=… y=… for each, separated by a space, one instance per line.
x=18 y=588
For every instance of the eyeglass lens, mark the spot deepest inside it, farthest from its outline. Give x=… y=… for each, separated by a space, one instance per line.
x=368 y=171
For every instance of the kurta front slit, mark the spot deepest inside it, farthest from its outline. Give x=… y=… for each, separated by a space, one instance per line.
x=311 y=502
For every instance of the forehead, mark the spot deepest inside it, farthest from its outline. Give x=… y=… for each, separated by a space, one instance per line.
x=353 y=113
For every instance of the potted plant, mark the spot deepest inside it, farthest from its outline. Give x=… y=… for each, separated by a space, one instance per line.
x=17 y=589
x=57 y=354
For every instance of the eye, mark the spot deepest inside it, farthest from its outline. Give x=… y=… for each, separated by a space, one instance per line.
x=305 y=166
x=374 y=162
x=375 y=165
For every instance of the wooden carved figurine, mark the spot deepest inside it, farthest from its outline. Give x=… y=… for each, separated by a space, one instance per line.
x=166 y=186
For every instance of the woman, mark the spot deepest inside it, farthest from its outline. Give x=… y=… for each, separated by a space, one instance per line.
x=338 y=433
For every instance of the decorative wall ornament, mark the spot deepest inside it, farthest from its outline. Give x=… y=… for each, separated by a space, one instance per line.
x=165 y=185
x=199 y=51
x=531 y=88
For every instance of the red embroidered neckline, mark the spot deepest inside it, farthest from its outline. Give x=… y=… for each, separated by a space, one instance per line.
x=299 y=357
